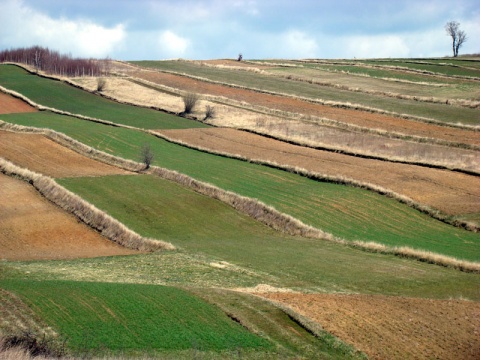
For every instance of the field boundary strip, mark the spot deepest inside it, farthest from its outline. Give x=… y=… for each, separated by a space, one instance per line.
x=320 y=121
x=400 y=68
x=335 y=104
x=95 y=218
x=427 y=99
x=256 y=209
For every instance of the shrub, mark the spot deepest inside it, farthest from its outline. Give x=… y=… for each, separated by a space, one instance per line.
x=101 y=83
x=189 y=100
x=209 y=112
x=35 y=346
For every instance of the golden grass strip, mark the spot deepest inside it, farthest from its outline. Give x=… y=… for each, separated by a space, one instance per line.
x=106 y=225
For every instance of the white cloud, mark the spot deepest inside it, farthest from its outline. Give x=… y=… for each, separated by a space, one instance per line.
x=23 y=26
x=173 y=45
x=379 y=46
x=298 y=44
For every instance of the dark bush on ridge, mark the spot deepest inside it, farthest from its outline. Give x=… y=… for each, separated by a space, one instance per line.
x=52 y=62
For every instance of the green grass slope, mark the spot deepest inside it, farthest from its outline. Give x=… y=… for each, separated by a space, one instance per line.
x=129 y=318
x=201 y=225
x=347 y=212
x=65 y=97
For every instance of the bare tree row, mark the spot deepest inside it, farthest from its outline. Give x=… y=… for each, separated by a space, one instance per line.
x=53 y=62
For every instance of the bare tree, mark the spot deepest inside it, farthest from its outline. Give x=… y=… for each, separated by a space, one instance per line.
x=189 y=100
x=146 y=155
x=458 y=36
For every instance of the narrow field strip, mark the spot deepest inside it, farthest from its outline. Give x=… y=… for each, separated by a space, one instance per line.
x=42 y=155
x=238 y=115
x=98 y=220
x=295 y=105
x=450 y=192
x=368 y=103
x=338 y=80
x=61 y=96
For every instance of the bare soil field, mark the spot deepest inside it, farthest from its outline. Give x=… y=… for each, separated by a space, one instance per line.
x=451 y=192
x=394 y=327
x=359 y=118
x=33 y=228
x=37 y=153
x=10 y=104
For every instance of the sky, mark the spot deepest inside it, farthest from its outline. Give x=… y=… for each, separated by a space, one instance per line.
x=258 y=29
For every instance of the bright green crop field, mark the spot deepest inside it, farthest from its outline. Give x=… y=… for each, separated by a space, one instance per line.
x=347 y=212
x=61 y=96
x=110 y=313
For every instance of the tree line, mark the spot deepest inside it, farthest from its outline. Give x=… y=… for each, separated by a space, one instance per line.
x=52 y=62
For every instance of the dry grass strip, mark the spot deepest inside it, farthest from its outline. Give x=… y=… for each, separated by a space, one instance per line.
x=337 y=104
x=86 y=212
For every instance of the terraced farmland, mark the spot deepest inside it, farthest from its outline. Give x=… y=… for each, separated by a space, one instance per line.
x=195 y=301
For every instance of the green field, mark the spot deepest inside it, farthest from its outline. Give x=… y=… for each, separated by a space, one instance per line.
x=440 y=112
x=95 y=316
x=62 y=96
x=347 y=212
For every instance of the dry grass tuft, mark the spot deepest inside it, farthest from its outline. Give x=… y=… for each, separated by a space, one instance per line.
x=86 y=212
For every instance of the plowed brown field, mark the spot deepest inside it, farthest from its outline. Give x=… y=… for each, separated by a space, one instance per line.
x=30 y=226
x=37 y=153
x=10 y=104
x=33 y=228
x=451 y=192
x=394 y=327
x=359 y=118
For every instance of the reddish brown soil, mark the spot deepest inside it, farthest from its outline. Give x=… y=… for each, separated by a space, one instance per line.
x=395 y=327
x=10 y=104
x=360 y=118
x=451 y=192
x=33 y=228
x=37 y=153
